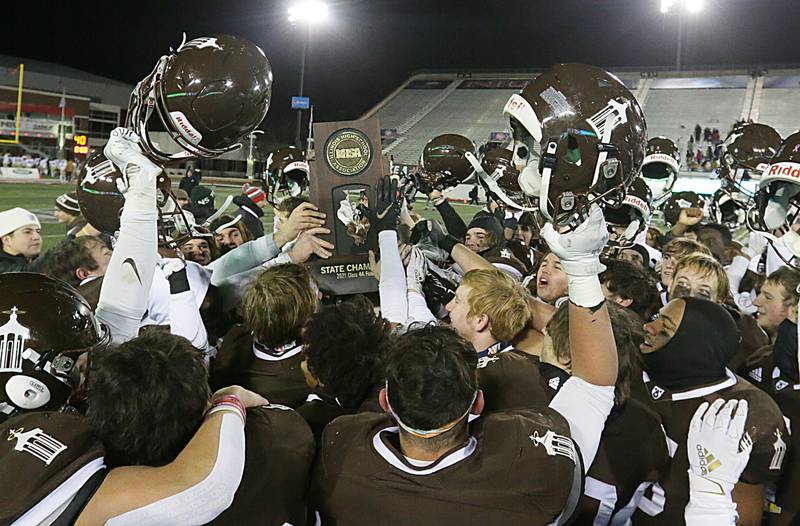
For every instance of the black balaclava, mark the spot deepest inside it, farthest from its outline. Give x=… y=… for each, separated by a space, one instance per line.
x=784 y=352
x=697 y=353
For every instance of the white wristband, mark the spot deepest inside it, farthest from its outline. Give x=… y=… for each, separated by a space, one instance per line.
x=585 y=291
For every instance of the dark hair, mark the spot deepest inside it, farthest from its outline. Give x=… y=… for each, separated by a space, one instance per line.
x=628 y=335
x=431 y=376
x=146 y=398
x=628 y=281
x=345 y=346
x=290 y=203
x=724 y=231
x=65 y=258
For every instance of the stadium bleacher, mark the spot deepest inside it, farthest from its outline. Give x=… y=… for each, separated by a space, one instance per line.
x=432 y=104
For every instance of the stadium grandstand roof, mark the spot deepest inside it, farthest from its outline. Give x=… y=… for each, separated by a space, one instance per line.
x=48 y=76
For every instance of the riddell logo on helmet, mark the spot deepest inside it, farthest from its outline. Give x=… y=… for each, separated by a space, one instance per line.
x=790 y=169
x=638 y=203
x=185 y=128
x=660 y=158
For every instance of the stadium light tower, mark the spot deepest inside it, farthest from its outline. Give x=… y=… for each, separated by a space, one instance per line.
x=691 y=6
x=309 y=14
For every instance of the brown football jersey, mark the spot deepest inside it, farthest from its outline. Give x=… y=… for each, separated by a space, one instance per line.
x=279 y=452
x=664 y=503
x=753 y=339
x=631 y=457
x=91 y=291
x=517 y=468
x=788 y=489
x=45 y=458
x=318 y=412
x=279 y=379
x=510 y=379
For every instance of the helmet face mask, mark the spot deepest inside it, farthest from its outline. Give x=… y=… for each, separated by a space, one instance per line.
x=634 y=214
x=746 y=153
x=286 y=175
x=777 y=202
x=499 y=177
x=660 y=168
x=208 y=95
x=592 y=136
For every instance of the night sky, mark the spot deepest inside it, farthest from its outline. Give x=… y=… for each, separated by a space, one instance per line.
x=369 y=47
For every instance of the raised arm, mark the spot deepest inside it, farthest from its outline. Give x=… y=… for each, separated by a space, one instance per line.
x=586 y=399
x=594 y=353
x=126 y=285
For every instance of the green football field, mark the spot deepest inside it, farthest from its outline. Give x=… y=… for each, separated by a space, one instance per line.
x=39 y=198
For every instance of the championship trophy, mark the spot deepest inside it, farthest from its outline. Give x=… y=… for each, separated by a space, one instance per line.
x=347 y=166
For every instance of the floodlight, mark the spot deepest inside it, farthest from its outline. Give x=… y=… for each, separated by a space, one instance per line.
x=308 y=12
x=665 y=6
x=693 y=6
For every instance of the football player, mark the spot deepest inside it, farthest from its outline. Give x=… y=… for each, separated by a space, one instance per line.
x=685 y=352
x=489 y=310
x=703 y=277
x=673 y=251
x=342 y=380
x=551 y=280
x=776 y=372
x=264 y=353
x=633 y=453
x=630 y=287
x=426 y=459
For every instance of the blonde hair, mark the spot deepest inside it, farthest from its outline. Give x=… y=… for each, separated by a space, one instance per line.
x=705 y=266
x=682 y=246
x=278 y=303
x=500 y=297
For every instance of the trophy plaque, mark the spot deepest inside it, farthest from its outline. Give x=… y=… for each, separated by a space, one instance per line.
x=345 y=171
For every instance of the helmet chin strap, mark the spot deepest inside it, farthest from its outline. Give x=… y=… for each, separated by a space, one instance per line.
x=528 y=181
x=491 y=183
x=631 y=232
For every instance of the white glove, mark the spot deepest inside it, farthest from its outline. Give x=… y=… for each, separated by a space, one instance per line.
x=718 y=447
x=124 y=151
x=416 y=271
x=580 y=249
x=579 y=252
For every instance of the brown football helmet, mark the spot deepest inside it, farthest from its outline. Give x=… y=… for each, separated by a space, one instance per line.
x=777 y=201
x=208 y=95
x=592 y=134
x=44 y=325
x=286 y=174
x=444 y=162
x=634 y=213
x=499 y=177
x=660 y=168
x=746 y=152
x=101 y=201
x=677 y=202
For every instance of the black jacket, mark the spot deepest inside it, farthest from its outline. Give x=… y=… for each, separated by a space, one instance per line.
x=9 y=263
